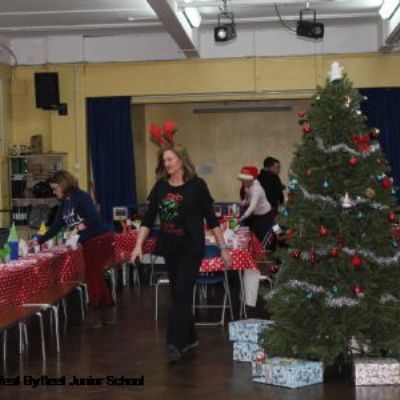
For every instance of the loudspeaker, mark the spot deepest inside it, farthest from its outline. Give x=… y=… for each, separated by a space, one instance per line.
x=46 y=89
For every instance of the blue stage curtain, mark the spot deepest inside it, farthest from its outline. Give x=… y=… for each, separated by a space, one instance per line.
x=111 y=152
x=382 y=108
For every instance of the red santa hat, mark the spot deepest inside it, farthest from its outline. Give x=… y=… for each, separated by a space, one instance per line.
x=248 y=173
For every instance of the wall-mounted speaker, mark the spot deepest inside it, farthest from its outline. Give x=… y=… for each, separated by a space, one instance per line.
x=47 y=91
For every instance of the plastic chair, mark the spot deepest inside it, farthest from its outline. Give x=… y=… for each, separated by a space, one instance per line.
x=155 y=259
x=207 y=279
x=162 y=280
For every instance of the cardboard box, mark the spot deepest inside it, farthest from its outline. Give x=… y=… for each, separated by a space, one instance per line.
x=287 y=372
x=248 y=330
x=376 y=371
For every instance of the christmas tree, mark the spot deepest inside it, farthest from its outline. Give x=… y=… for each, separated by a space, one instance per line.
x=339 y=282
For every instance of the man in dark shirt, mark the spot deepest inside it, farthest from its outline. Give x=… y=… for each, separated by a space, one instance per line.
x=271 y=183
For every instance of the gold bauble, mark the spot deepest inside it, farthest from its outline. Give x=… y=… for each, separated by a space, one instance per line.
x=370 y=193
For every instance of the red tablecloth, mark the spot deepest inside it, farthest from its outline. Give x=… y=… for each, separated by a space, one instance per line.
x=241 y=259
x=125 y=243
x=20 y=280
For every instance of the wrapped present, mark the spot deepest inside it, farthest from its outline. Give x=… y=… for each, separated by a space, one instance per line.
x=287 y=372
x=248 y=330
x=376 y=371
x=245 y=351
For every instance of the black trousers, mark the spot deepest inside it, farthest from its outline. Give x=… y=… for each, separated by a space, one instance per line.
x=261 y=224
x=183 y=269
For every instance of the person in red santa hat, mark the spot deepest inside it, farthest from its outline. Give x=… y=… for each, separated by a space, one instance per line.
x=258 y=215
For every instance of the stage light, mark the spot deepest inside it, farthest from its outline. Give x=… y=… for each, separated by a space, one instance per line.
x=309 y=28
x=224 y=32
x=226 y=28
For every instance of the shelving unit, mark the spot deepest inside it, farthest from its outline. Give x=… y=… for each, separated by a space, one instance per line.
x=25 y=171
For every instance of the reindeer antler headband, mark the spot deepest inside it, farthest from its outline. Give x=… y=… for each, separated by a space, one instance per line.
x=163 y=136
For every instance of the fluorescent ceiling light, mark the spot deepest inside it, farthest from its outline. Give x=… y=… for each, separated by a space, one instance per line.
x=193 y=16
x=388 y=8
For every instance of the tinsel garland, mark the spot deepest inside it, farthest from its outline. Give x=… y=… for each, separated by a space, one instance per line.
x=343 y=147
x=366 y=253
x=331 y=301
x=331 y=201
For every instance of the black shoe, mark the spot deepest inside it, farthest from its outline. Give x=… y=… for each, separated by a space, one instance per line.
x=173 y=354
x=191 y=346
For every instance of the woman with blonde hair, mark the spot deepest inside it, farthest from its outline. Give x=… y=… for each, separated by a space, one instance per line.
x=183 y=201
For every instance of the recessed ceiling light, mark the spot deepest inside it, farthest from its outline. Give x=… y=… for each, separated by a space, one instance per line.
x=131 y=18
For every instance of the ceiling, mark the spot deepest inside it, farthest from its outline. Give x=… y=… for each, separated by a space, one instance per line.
x=43 y=31
x=100 y=17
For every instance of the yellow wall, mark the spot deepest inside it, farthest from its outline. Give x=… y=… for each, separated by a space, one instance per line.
x=5 y=134
x=227 y=141
x=60 y=133
x=176 y=81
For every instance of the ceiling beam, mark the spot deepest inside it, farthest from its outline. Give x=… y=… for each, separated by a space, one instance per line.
x=176 y=24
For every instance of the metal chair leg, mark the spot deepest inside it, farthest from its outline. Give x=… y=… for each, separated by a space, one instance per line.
x=4 y=347
x=85 y=290
x=21 y=338
x=57 y=327
x=81 y=301
x=40 y=316
x=64 y=305
x=223 y=309
x=124 y=274
x=228 y=292
x=26 y=339
x=242 y=312
x=156 y=305
x=113 y=284
x=135 y=276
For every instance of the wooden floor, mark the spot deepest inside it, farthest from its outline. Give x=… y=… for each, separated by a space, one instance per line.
x=135 y=347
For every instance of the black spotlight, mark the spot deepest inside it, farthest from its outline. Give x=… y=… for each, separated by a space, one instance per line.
x=226 y=31
x=309 y=28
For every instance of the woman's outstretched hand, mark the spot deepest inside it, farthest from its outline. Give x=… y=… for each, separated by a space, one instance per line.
x=226 y=256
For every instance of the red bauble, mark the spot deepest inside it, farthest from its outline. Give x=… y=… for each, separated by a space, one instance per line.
x=356 y=261
x=392 y=217
x=273 y=269
x=353 y=161
x=323 y=231
x=302 y=114
x=333 y=252
x=309 y=172
x=358 y=290
x=296 y=254
x=307 y=128
x=386 y=182
x=341 y=240
x=396 y=231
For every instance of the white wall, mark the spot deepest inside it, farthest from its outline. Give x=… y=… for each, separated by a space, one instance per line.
x=274 y=40
x=261 y=40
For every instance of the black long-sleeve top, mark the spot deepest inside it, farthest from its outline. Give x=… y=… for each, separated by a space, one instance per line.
x=272 y=186
x=77 y=208
x=182 y=211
